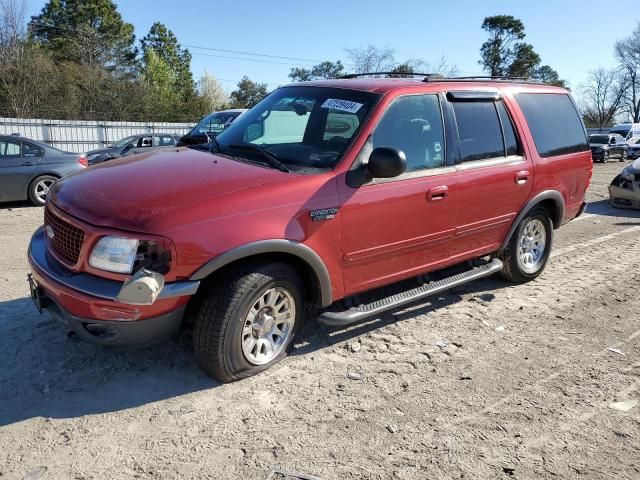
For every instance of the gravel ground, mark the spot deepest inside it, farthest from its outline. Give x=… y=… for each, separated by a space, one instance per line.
x=522 y=389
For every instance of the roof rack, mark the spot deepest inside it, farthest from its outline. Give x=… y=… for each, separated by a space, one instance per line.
x=436 y=77
x=394 y=75
x=495 y=78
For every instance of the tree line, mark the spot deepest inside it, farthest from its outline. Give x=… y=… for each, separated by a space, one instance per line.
x=610 y=95
x=79 y=59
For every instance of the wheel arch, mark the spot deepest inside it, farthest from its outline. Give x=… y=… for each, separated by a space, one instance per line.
x=306 y=260
x=552 y=200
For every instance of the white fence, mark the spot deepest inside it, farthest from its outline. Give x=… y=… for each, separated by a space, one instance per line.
x=81 y=135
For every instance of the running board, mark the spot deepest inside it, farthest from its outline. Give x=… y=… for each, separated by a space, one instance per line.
x=355 y=314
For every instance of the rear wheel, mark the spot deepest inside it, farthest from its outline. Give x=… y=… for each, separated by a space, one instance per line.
x=623 y=157
x=529 y=247
x=248 y=320
x=605 y=157
x=39 y=189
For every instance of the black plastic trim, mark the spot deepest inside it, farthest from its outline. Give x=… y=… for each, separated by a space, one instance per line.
x=473 y=95
x=304 y=253
x=546 y=195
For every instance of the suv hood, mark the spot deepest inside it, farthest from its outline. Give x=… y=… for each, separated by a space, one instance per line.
x=130 y=193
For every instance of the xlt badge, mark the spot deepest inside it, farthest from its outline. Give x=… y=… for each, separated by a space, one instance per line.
x=324 y=214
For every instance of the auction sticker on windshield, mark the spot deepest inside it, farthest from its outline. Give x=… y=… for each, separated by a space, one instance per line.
x=342 y=105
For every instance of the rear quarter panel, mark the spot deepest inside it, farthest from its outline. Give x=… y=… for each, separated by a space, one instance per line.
x=568 y=174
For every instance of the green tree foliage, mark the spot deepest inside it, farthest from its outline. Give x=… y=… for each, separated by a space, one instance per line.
x=89 y=32
x=164 y=44
x=247 y=93
x=506 y=54
x=321 y=71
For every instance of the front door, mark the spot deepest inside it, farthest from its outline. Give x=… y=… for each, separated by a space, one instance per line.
x=398 y=228
x=494 y=176
x=15 y=169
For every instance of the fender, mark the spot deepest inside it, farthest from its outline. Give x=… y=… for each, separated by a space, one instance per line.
x=304 y=253
x=546 y=195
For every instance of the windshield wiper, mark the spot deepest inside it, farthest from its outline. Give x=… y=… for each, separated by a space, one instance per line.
x=268 y=156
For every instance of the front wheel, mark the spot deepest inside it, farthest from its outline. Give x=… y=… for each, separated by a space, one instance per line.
x=529 y=247
x=623 y=157
x=39 y=189
x=248 y=320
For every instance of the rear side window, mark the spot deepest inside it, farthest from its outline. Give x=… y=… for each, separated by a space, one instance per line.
x=479 y=130
x=9 y=149
x=554 y=123
x=29 y=150
x=510 y=139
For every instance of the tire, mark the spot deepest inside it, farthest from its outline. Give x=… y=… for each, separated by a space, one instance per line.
x=39 y=187
x=516 y=268
x=623 y=157
x=605 y=157
x=231 y=315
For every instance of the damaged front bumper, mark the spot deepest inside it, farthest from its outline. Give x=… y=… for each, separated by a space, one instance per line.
x=625 y=193
x=104 y=311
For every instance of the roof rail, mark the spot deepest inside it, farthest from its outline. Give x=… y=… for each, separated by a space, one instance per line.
x=394 y=74
x=495 y=78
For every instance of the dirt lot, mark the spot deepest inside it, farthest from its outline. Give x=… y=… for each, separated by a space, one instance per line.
x=521 y=391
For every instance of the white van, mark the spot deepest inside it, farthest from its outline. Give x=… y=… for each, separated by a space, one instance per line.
x=628 y=130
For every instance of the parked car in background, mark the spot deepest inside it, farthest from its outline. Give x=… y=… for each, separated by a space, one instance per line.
x=29 y=168
x=318 y=199
x=624 y=190
x=626 y=130
x=131 y=145
x=211 y=126
x=606 y=146
x=634 y=148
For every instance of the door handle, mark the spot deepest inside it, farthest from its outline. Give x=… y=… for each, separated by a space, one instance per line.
x=28 y=164
x=437 y=194
x=522 y=177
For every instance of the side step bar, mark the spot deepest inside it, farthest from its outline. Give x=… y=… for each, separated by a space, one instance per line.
x=355 y=314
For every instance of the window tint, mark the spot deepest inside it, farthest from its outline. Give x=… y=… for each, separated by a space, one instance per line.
x=510 y=139
x=340 y=126
x=479 y=130
x=29 y=150
x=9 y=149
x=414 y=125
x=164 y=141
x=554 y=123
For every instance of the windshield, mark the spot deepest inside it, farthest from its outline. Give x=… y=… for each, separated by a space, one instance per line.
x=125 y=141
x=599 y=139
x=623 y=133
x=307 y=127
x=214 y=123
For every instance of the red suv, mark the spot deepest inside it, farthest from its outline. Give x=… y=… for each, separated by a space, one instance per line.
x=314 y=200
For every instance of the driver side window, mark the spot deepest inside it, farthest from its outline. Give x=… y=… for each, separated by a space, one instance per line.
x=413 y=124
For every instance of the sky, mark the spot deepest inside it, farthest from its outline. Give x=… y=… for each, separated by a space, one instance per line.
x=572 y=36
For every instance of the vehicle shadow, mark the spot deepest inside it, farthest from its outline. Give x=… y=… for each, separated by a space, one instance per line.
x=316 y=336
x=46 y=373
x=12 y=205
x=604 y=208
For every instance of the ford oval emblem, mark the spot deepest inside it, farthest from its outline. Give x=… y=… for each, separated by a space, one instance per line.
x=49 y=231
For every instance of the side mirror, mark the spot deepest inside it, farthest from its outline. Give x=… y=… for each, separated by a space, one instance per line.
x=386 y=162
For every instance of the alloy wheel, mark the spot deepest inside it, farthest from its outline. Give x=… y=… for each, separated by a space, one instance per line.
x=532 y=245
x=268 y=326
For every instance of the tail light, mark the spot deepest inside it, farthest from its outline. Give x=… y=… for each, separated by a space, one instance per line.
x=83 y=161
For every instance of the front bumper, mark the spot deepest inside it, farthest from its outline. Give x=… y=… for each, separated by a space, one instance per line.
x=87 y=304
x=625 y=193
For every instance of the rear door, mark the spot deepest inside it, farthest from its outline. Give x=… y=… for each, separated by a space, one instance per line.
x=399 y=227
x=16 y=169
x=494 y=176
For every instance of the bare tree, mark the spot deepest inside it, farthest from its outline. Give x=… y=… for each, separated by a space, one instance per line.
x=23 y=69
x=627 y=52
x=602 y=97
x=371 y=59
x=210 y=89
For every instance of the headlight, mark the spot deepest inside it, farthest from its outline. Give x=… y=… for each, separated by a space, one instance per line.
x=114 y=254
x=126 y=255
x=627 y=174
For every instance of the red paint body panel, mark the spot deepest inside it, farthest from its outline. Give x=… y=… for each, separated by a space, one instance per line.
x=205 y=205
